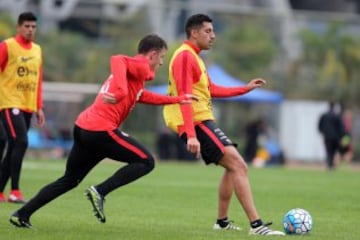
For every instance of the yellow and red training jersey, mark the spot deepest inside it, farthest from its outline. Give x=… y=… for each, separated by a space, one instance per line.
x=20 y=75
x=188 y=75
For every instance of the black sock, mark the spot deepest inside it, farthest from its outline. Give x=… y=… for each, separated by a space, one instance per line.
x=223 y=222
x=256 y=223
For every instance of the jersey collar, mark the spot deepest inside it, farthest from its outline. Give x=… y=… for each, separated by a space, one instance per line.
x=22 y=41
x=193 y=46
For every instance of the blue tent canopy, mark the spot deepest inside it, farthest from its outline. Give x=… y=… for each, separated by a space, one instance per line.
x=220 y=77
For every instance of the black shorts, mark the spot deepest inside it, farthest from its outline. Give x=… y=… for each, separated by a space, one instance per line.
x=212 y=141
x=115 y=145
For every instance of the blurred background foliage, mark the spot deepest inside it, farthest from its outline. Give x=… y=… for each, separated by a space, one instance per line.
x=245 y=47
x=7 y=26
x=328 y=66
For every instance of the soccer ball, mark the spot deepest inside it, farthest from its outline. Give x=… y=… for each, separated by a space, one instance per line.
x=297 y=221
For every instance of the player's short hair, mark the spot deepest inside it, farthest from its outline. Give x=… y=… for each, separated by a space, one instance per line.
x=26 y=16
x=151 y=42
x=196 y=21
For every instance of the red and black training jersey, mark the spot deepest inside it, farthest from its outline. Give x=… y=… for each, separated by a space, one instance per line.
x=126 y=82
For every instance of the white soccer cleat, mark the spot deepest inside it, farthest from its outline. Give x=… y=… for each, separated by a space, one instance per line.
x=229 y=226
x=265 y=230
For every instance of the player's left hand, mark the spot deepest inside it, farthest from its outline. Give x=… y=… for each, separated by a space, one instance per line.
x=255 y=83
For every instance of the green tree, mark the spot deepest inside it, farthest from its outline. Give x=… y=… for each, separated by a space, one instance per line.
x=329 y=64
x=7 y=26
x=245 y=50
x=72 y=57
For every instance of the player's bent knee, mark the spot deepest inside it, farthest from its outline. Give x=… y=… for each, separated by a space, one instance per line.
x=234 y=164
x=73 y=184
x=149 y=164
x=240 y=165
x=65 y=183
x=233 y=159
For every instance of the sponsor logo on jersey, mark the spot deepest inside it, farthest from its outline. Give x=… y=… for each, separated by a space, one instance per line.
x=25 y=71
x=25 y=59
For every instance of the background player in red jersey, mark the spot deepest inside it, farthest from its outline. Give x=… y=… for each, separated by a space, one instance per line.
x=21 y=96
x=96 y=133
x=196 y=125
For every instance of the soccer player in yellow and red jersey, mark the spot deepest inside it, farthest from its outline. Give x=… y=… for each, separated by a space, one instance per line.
x=97 y=135
x=21 y=96
x=196 y=125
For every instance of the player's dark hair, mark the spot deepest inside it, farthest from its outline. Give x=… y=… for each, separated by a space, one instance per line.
x=151 y=42
x=26 y=16
x=196 y=21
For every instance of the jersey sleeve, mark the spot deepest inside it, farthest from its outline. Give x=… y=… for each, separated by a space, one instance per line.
x=220 y=91
x=119 y=82
x=40 y=87
x=149 y=97
x=3 y=55
x=185 y=72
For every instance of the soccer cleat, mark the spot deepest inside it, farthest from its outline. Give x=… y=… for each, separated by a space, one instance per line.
x=19 y=222
x=264 y=230
x=2 y=197
x=229 y=226
x=16 y=197
x=97 y=201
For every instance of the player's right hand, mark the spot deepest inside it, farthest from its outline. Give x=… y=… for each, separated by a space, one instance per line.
x=193 y=146
x=40 y=118
x=188 y=98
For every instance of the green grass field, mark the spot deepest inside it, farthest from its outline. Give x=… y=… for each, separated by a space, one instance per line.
x=178 y=201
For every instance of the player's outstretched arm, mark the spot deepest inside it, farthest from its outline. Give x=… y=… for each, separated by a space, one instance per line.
x=221 y=91
x=149 y=97
x=159 y=99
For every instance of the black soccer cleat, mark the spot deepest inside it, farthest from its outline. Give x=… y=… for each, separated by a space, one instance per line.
x=97 y=202
x=19 y=222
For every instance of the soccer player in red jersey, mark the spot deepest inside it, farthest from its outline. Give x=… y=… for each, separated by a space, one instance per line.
x=21 y=97
x=195 y=123
x=97 y=135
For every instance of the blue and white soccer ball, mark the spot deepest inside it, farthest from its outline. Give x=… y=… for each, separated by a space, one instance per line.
x=297 y=221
